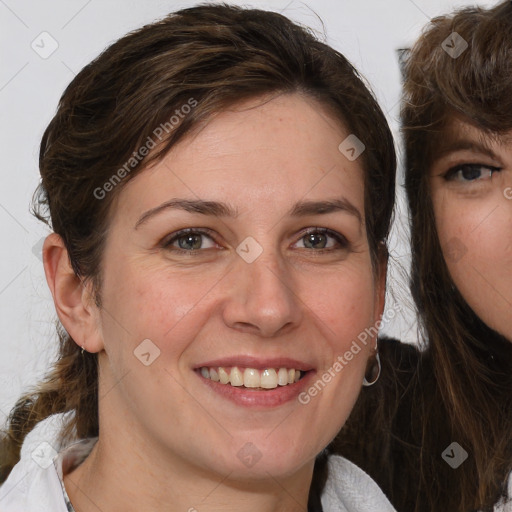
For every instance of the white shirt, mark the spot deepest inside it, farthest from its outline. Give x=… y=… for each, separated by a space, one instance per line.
x=35 y=483
x=502 y=506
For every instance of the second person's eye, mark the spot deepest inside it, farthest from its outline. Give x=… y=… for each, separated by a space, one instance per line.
x=470 y=172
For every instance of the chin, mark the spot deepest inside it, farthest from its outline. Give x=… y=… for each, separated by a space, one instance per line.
x=252 y=461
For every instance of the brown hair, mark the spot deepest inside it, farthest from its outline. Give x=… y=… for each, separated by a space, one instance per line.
x=211 y=56
x=459 y=387
x=470 y=365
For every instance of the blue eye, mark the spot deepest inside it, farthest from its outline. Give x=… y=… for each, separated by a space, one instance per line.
x=470 y=172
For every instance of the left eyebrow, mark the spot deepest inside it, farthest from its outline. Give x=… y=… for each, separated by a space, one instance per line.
x=305 y=208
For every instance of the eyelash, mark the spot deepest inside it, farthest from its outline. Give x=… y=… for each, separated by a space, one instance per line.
x=342 y=242
x=452 y=174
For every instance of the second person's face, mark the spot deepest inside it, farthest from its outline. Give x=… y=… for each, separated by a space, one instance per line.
x=472 y=197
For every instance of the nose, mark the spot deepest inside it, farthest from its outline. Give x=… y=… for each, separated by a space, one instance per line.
x=261 y=299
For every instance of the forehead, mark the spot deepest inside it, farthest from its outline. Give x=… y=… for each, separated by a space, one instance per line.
x=460 y=134
x=258 y=153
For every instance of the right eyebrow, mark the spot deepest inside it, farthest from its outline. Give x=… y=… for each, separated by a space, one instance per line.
x=192 y=206
x=454 y=145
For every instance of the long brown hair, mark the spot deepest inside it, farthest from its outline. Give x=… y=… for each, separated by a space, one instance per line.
x=472 y=364
x=459 y=388
x=208 y=57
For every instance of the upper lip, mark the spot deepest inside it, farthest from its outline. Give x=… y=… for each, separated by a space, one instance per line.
x=257 y=363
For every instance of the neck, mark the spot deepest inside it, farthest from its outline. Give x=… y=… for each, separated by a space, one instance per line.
x=111 y=479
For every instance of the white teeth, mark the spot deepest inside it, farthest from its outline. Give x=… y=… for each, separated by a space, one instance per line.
x=282 y=376
x=223 y=376
x=252 y=378
x=236 y=378
x=270 y=378
x=214 y=375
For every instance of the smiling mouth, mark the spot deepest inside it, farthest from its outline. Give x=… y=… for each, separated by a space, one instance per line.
x=252 y=378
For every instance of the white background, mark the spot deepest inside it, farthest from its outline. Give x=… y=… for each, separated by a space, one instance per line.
x=367 y=32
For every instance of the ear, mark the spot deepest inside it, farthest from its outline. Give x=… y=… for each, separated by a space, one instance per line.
x=74 y=300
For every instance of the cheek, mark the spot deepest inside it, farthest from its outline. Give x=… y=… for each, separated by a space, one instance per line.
x=345 y=308
x=346 y=314
x=153 y=298
x=476 y=240
x=150 y=316
x=473 y=226
x=457 y=222
x=448 y=223
x=474 y=233
x=145 y=304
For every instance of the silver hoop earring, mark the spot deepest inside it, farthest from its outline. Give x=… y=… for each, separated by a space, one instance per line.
x=375 y=374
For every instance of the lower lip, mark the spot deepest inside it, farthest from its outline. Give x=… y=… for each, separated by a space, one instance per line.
x=259 y=398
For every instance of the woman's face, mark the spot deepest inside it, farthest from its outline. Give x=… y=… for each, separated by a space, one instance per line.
x=472 y=197
x=242 y=255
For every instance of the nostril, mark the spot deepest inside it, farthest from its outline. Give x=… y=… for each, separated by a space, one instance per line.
x=245 y=327
x=263 y=330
